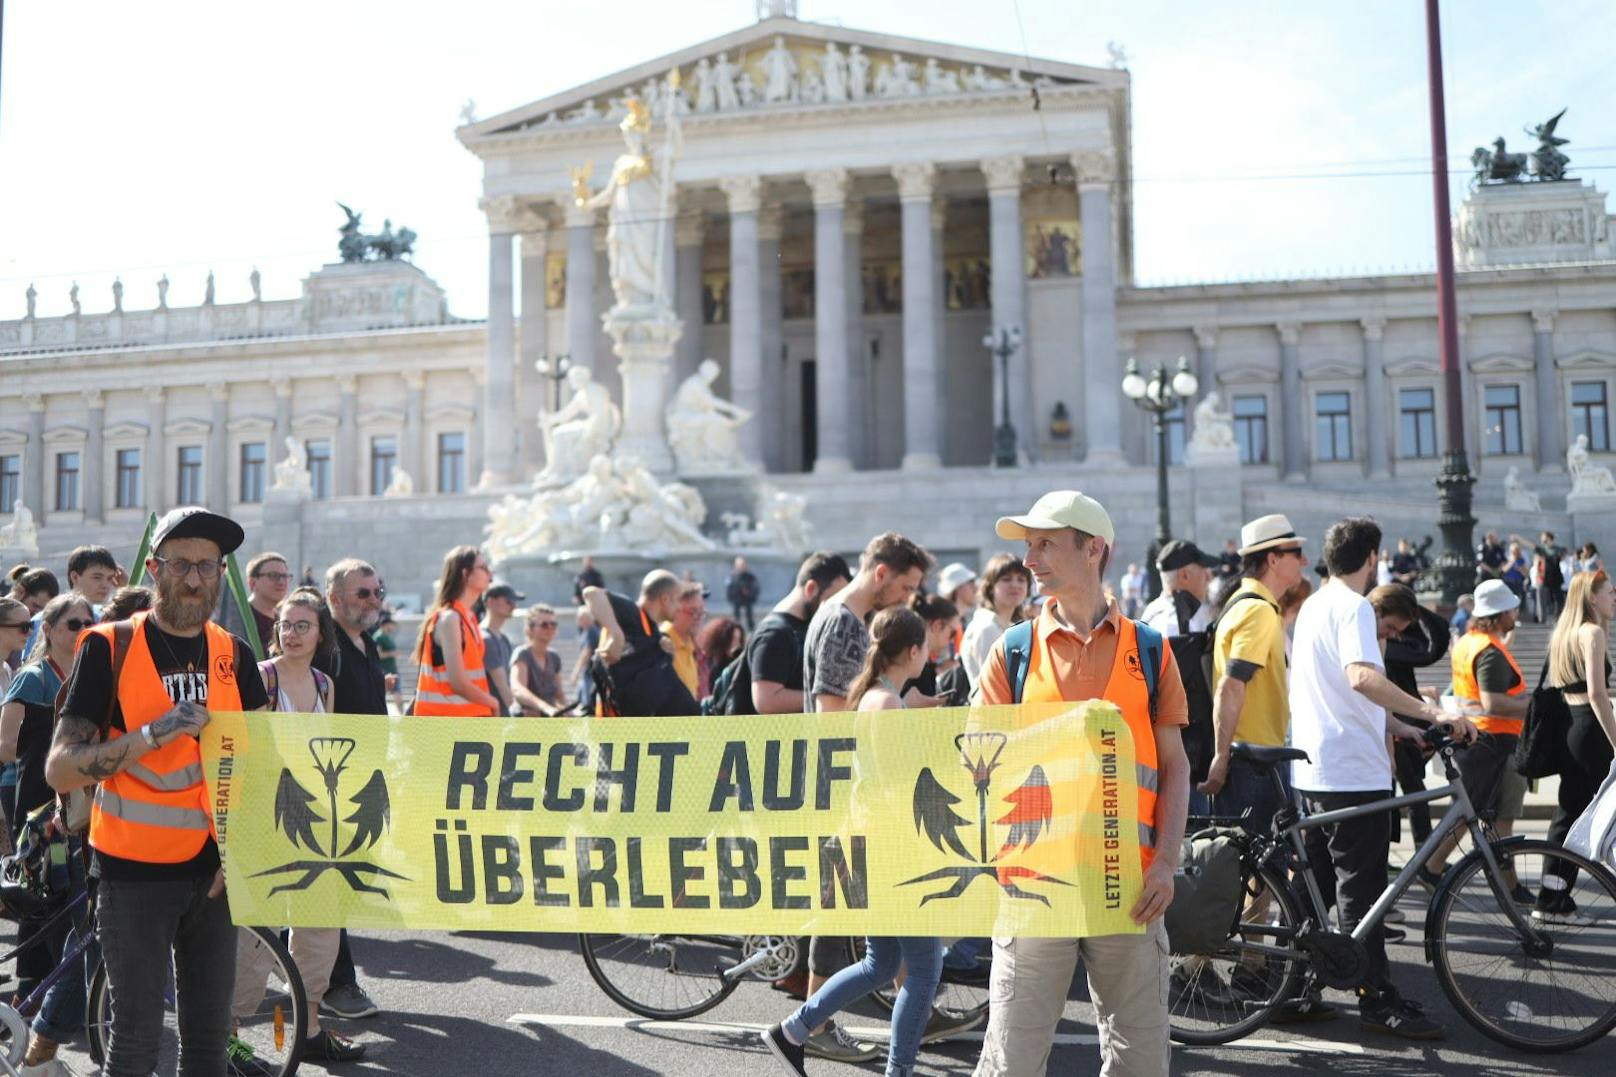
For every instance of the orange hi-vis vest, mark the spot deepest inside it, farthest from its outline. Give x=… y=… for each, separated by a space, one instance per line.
x=156 y=810
x=1127 y=689
x=434 y=695
x=1465 y=653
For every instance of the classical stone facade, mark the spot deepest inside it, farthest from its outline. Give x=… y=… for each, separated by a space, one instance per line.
x=853 y=213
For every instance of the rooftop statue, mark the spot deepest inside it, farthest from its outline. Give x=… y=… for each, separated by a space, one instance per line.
x=1498 y=165
x=1548 y=163
x=385 y=246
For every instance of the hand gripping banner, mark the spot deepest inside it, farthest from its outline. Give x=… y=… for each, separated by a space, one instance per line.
x=1014 y=820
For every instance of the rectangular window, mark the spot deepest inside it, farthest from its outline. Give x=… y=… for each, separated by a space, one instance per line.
x=190 y=475
x=319 y=453
x=383 y=462
x=1417 y=409
x=1332 y=426
x=10 y=481
x=1251 y=428
x=1173 y=420
x=254 y=456
x=1502 y=420
x=67 y=481
x=1588 y=416
x=128 y=467
x=451 y=463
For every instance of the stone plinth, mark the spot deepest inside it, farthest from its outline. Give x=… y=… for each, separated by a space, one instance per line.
x=346 y=296
x=551 y=576
x=1532 y=223
x=644 y=338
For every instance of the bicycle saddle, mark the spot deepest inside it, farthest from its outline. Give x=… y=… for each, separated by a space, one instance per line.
x=1264 y=756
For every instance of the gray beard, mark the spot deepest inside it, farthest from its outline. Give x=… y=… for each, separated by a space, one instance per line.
x=173 y=612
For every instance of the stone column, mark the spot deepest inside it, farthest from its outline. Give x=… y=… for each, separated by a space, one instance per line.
x=831 y=367
x=1293 y=407
x=1550 y=416
x=1102 y=367
x=33 y=481
x=771 y=421
x=1377 y=406
x=922 y=426
x=688 y=236
x=154 y=486
x=858 y=387
x=531 y=386
x=745 y=307
x=1008 y=289
x=345 y=463
x=413 y=454
x=939 y=217
x=506 y=217
x=217 y=469
x=583 y=325
x=92 y=476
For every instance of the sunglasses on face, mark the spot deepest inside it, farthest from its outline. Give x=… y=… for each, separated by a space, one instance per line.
x=545 y=624
x=20 y=626
x=365 y=593
x=75 y=624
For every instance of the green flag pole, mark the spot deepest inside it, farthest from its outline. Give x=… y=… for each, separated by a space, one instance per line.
x=143 y=552
x=238 y=592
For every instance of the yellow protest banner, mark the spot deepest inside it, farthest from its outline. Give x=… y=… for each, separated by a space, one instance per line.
x=961 y=822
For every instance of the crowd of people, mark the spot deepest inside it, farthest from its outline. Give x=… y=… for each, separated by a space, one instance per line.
x=1318 y=653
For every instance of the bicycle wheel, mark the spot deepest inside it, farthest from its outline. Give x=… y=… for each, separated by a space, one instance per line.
x=663 y=977
x=269 y=1034
x=954 y=999
x=1231 y=992
x=1551 y=997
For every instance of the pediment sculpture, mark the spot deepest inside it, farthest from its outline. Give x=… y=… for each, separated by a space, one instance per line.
x=582 y=429
x=1212 y=440
x=1587 y=477
x=1517 y=498
x=20 y=535
x=292 y=473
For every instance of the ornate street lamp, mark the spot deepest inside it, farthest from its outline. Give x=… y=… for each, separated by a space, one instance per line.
x=555 y=370
x=1158 y=395
x=1004 y=438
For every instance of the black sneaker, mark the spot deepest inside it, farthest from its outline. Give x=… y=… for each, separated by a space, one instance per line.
x=789 y=1054
x=1554 y=905
x=1521 y=895
x=976 y=975
x=1403 y=1018
x=1428 y=878
x=326 y=1046
x=1308 y=1008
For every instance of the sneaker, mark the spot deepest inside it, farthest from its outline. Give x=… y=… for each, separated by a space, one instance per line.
x=1403 y=1018
x=788 y=1053
x=976 y=975
x=1395 y=916
x=326 y=1046
x=1306 y=1009
x=944 y=1024
x=837 y=1046
x=41 y=1049
x=795 y=985
x=1554 y=905
x=243 y=1061
x=1393 y=934
x=348 y=1001
x=1428 y=878
x=1521 y=895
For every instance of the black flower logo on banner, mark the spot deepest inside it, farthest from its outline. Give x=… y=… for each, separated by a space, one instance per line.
x=1025 y=822
x=297 y=816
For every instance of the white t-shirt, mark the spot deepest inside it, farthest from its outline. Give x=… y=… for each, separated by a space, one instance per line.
x=977 y=644
x=1342 y=732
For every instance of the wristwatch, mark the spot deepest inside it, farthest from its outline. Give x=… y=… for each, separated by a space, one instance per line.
x=150 y=737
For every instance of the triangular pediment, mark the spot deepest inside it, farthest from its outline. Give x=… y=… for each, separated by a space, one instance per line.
x=783 y=63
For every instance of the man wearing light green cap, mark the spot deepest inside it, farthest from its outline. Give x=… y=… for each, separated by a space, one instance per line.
x=1080 y=647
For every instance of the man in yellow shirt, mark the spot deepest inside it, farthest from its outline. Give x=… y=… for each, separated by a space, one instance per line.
x=679 y=635
x=1250 y=696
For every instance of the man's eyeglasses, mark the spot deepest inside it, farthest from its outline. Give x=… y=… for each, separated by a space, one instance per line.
x=77 y=624
x=294 y=628
x=366 y=593
x=177 y=568
x=277 y=577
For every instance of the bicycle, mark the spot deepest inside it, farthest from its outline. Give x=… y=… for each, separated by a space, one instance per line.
x=1508 y=970
x=675 y=977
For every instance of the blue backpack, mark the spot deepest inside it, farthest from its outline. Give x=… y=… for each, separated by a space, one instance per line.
x=1017 y=643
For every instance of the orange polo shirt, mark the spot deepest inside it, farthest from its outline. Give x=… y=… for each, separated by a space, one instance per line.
x=1082 y=666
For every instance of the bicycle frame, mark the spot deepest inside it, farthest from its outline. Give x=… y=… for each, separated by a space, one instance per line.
x=29 y=1006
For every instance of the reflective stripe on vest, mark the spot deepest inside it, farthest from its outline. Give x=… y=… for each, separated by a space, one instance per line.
x=1126 y=688
x=1466 y=651
x=156 y=811
x=434 y=695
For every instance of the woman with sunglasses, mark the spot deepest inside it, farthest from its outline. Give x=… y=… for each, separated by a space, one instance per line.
x=304 y=635
x=14 y=625
x=536 y=668
x=26 y=719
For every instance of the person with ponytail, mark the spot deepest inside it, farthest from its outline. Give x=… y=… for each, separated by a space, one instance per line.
x=1579 y=665
x=898 y=652
x=452 y=680
x=943 y=676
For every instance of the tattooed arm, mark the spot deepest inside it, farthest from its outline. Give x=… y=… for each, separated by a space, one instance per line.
x=77 y=759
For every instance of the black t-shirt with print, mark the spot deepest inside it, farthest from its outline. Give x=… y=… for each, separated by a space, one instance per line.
x=182 y=663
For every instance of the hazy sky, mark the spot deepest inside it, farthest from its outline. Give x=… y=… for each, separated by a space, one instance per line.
x=1271 y=139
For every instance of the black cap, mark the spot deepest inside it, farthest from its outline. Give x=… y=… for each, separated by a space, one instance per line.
x=194 y=521
x=504 y=590
x=1181 y=553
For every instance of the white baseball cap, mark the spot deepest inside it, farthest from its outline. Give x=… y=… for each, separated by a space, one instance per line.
x=1494 y=597
x=1058 y=509
x=952 y=577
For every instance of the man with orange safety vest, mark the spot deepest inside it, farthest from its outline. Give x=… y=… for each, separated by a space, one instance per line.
x=1080 y=647
x=138 y=696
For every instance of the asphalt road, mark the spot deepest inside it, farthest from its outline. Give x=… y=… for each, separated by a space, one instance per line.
x=495 y=1005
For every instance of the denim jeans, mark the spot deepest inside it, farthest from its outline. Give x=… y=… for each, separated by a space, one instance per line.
x=883 y=957
x=966 y=953
x=1249 y=788
x=61 y=1015
x=139 y=924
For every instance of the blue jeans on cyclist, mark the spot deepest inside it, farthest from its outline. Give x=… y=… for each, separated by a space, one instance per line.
x=1249 y=789
x=965 y=954
x=883 y=957
x=61 y=1015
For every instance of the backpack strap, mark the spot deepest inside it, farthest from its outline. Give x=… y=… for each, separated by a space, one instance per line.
x=1017 y=644
x=1151 y=659
x=272 y=683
